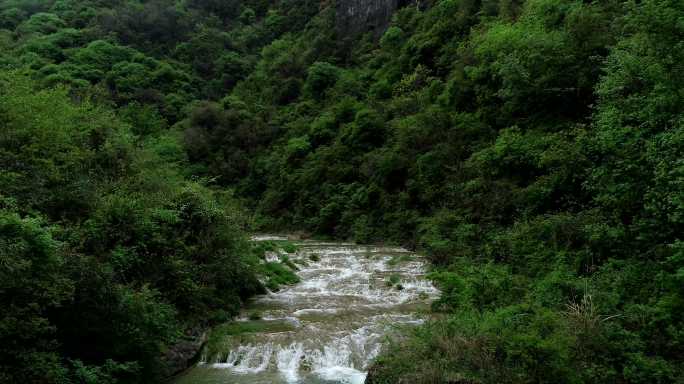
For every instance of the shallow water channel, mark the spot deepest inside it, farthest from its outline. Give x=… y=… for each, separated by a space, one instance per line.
x=328 y=327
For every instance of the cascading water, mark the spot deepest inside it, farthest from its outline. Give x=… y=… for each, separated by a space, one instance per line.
x=330 y=326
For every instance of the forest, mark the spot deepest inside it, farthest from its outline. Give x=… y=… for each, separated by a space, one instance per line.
x=533 y=150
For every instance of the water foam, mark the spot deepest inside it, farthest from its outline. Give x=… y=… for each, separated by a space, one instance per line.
x=247 y=359
x=289 y=360
x=340 y=311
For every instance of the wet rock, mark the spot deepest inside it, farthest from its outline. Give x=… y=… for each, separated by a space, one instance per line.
x=184 y=353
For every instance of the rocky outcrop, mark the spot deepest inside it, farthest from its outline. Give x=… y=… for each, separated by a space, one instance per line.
x=354 y=17
x=185 y=352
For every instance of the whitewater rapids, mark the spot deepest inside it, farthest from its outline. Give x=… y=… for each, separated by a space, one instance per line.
x=331 y=325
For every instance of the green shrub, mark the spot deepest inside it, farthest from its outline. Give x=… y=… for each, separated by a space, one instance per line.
x=289 y=247
x=278 y=274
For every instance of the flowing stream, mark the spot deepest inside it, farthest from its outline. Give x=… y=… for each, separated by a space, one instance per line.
x=329 y=327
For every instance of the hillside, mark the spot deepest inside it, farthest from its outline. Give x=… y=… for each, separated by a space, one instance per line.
x=532 y=149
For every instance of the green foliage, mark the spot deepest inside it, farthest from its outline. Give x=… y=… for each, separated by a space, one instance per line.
x=10 y=18
x=42 y=23
x=517 y=344
x=144 y=120
x=477 y=287
x=107 y=252
x=32 y=284
x=289 y=247
x=286 y=260
x=533 y=149
x=321 y=76
x=51 y=147
x=393 y=281
x=278 y=274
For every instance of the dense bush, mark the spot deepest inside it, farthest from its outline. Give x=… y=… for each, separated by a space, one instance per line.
x=107 y=254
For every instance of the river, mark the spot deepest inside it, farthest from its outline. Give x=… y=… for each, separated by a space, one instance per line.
x=329 y=327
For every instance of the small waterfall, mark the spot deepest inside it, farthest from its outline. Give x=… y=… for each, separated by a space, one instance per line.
x=247 y=359
x=330 y=326
x=335 y=354
x=289 y=360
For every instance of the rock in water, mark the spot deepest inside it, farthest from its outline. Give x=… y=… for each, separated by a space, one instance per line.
x=184 y=353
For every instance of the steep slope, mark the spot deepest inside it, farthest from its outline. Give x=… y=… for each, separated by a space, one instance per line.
x=532 y=149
